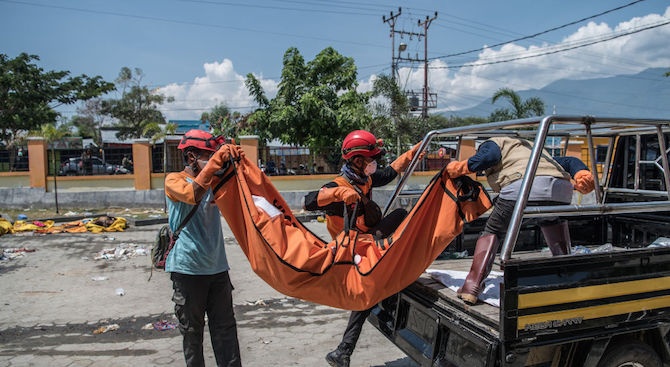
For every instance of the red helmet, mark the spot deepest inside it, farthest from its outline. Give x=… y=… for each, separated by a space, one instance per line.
x=361 y=142
x=201 y=140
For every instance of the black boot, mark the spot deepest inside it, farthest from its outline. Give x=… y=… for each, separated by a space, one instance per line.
x=339 y=357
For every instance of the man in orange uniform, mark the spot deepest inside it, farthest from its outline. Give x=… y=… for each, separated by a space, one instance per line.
x=358 y=176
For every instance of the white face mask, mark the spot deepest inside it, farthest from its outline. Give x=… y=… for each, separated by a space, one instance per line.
x=370 y=168
x=202 y=163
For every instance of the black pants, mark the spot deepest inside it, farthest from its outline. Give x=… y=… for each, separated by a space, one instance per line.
x=389 y=223
x=357 y=318
x=501 y=215
x=195 y=295
x=353 y=331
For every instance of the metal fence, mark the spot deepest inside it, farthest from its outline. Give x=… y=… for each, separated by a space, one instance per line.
x=119 y=160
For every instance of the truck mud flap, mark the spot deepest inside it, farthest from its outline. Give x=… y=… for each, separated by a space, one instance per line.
x=584 y=296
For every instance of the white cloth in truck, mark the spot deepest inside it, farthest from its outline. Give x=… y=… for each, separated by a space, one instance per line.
x=454 y=279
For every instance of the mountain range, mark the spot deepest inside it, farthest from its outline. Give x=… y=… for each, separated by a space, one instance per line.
x=646 y=94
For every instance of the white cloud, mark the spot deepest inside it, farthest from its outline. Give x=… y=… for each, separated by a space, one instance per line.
x=467 y=86
x=220 y=84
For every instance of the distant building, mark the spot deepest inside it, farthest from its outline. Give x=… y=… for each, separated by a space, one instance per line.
x=185 y=125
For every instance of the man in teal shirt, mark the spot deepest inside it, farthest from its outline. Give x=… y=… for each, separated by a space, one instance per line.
x=197 y=262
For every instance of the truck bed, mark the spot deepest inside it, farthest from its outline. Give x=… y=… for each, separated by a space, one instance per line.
x=539 y=305
x=482 y=312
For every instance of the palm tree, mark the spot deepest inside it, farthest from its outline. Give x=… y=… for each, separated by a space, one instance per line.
x=392 y=112
x=51 y=133
x=533 y=106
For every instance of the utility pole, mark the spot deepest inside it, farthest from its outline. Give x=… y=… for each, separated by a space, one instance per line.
x=429 y=100
x=426 y=100
x=391 y=22
x=394 y=72
x=425 y=24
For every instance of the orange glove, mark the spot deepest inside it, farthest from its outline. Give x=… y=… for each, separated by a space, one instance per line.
x=236 y=151
x=401 y=163
x=458 y=168
x=216 y=162
x=329 y=195
x=584 y=181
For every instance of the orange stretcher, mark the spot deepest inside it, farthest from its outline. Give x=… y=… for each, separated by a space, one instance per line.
x=354 y=271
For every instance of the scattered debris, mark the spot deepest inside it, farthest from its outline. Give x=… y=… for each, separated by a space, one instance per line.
x=260 y=302
x=17 y=250
x=105 y=328
x=14 y=252
x=122 y=251
x=163 y=325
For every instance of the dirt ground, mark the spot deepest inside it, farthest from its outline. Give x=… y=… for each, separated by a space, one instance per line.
x=56 y=295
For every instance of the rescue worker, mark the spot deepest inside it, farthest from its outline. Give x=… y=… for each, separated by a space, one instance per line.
x=359 y=174
x=504 y=161
x=197 y=263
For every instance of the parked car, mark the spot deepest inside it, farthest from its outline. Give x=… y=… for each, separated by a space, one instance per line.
x=74 y=167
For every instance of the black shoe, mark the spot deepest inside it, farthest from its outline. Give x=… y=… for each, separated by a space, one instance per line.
x=337 y=358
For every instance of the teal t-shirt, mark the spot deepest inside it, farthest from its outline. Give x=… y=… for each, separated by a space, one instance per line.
x=199 y=250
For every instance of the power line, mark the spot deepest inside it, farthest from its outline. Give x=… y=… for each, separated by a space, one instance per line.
x=300 y=9
x=563 y=49
x=199 y=24
x=540 y=33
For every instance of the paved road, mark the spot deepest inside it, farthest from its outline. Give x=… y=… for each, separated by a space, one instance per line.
x=53 y=299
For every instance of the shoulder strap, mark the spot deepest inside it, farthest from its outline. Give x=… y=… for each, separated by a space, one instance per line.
x=363 y=196
x=176 y=233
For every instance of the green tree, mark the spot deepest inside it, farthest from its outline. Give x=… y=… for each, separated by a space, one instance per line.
x=89 y=120
x=316 y=105
x=390 y=111
x=137 y=109
x=392 y=116
x=29 y=95
x=520 y=109
x=225 y=122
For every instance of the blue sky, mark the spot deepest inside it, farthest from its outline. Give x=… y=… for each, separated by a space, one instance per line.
x=200 y=51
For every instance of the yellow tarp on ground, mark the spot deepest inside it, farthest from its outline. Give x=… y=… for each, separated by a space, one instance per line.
x=354 y=271
x=118 y=224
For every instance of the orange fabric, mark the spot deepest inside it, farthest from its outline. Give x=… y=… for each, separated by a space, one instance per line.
x=329 y=195
x=401 y=163
x=295 y=262
x=458 y=168
x=179 y=188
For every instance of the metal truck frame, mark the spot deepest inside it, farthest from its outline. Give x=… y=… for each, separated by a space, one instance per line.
x=594 y=309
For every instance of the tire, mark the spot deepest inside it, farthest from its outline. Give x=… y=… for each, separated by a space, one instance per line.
x=630 y=354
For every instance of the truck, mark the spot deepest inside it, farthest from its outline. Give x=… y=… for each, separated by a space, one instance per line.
x=606 y=304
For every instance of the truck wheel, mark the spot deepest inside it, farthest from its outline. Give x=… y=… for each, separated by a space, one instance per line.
x=632 y=354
